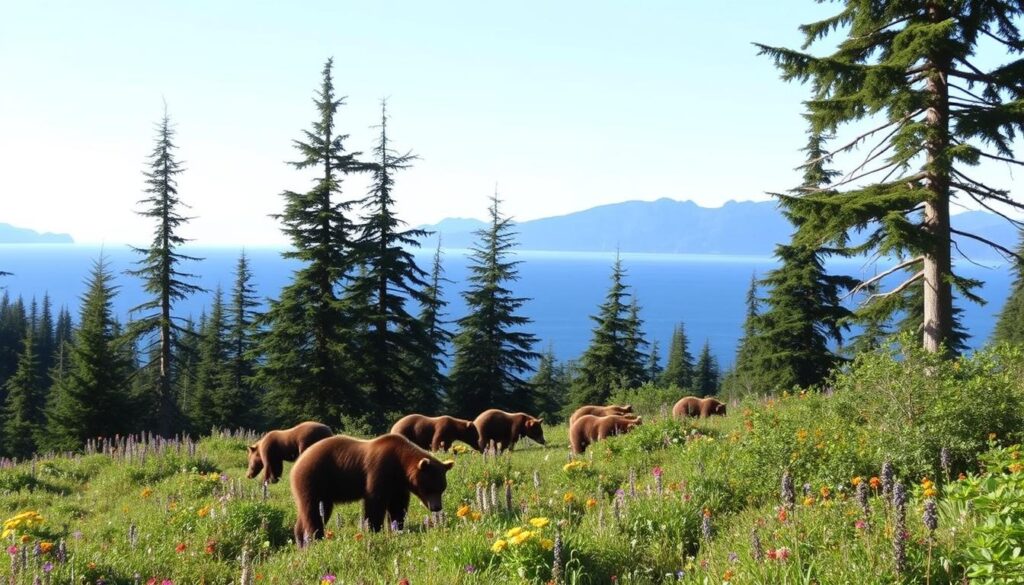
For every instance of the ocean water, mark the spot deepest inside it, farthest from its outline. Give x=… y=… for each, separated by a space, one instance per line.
x=706 y=292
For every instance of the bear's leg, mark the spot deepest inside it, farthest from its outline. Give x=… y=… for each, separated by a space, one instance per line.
x=373 y=510
x=309 y=527
x=398 y=506
x=300 y=533
x=437 y=444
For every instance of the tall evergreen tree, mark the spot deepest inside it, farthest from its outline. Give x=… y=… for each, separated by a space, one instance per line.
x=241 y=322
x=550 y=388
x=214 y=402
x=44 y=336
x=491 y=348
x=61 y=343
x=392 y=340
x=803 y=308
x=653 y=368
x=307 y=356
x=95 y=384
x=13 y=322
x=706 y=373
x=679 y=369
x=609 y=362
x=433 y=380
x=745 y=374
x=636 y=358
x=161 y=275
x=23 y=407
x=912 y=64
x=1010 y=325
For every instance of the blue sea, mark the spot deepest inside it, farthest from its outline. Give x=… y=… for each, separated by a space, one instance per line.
x=706 y=292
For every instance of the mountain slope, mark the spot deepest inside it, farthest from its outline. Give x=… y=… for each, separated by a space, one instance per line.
x=10 y=234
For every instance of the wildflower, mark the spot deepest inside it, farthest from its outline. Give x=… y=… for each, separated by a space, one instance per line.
x=727 y=577
x=944 y=461
x=498 y=546
x=568 y=497
x=591 y=502
x=180 y=548
x=1016 y=467
x=574 y=465
x=203 y=512
x=656 y=471
x=539 y=522
x=931 y=515
x=25 y=539
x=167 y=582
x=211 y=547
x=514 y=531
x=733 y=557
x=328 y=579
x=47 y=567
x=403 y=581
x=12 y=550
x=809 y=501
x=463 y=511
x=358 y=536
x=783 y=514
x=788 y=494
x=801 y=435
x=556 y=559
x=547 y=543
x=755 y=545
x=146 y=492
x=705 y=525
x=476 y=516
x=875 y=483
x=782 y=553
x=856 y=481
x=888 y=474
x=329 y=534
x=991 y=436
x=825 y=492
x=470 y=569
x=45 y=547
x=520 y=538
x=961 y=476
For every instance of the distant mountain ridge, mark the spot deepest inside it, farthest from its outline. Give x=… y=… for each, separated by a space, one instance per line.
x=668 y=226
x=10 y=234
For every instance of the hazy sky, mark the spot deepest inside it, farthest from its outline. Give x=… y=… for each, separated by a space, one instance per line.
x=565 y=105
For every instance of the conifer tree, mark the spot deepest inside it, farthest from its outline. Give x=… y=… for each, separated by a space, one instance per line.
x=745 y=376
x=653 y=368
x=214 y=401
x=609 y=362
x=433 y=381
x=44 y=336
x=636 y=359
x=550 y=388
x=679 y=369
x=23 y=407
x=241 y=322
x=13 y=322
x=161 y=274
x=1010 y=325
x=95 y=384
x=307 y=357
x=61 y=343
x=491 y=348
x=706 y=373
x=911 y=73
x=803 y=309
x=391 y=339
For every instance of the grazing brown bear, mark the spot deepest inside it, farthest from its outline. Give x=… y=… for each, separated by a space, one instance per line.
x=436 y=433
x=503 y=429
x=276 y=447
x=381 y=472
x=702 y=407
x=589 y=429
x=601 y=411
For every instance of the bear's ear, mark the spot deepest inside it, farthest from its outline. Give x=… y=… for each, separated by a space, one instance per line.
x=538 y=420
x=639 y=419
x=627 y=407
x=448 y=464
x=469 y=424
x=423 y=463
x=529 y=422
x=252 y=448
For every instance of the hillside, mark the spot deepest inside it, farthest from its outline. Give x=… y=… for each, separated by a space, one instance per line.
x=667 y=226
x=10 y=234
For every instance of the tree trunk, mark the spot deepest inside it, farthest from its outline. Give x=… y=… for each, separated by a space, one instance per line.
x=938 y=295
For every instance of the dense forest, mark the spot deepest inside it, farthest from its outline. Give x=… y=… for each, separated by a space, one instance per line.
x=361 y=335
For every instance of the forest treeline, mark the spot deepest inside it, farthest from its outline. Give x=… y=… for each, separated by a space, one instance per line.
x=361 y=334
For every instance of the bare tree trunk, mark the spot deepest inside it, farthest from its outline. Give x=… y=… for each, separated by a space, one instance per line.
x=938 y=295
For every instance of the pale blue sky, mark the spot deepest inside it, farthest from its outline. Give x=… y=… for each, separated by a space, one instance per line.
x=565 y=105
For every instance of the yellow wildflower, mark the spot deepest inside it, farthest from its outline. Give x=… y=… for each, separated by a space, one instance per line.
x=539 y=522
x=203 y=512
x=463 y=511
x=521 y=537
x=569 y=497
x=476 y=516
x=547 y=544
x=591 y=502
x=146 y=492
x=498 y=546
x=513 y=531
x=808 y=501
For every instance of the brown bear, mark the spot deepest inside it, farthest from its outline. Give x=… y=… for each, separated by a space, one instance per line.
x=276 y=447
x=702 y=407
x=601 y=411
x=436 y=433
x=381 y=472
x=589 y=429
x=503 y=429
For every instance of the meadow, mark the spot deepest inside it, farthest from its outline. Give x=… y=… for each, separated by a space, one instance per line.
x=905 y=469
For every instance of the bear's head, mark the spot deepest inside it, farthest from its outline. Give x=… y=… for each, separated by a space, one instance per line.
x=633 y=422
x=624 y=409
x=534 y=430
x=719 y=409
x=429 y=480
x=255 y=462
x=468 y=434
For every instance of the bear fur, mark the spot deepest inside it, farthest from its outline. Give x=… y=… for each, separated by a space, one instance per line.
x=504 y=429
x=437 y=433
x=601 y=411
x=702 y=407
x=589 y=429
x=276 y=447
x=381 y=472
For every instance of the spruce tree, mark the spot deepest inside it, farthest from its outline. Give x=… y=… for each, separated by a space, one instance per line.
x=1010 y=325
x=609 y=362
x=241 y=322
x=23 y=417
x=550 y=388
x=214 y=401
x=62 y=343
x=432 y=379
x=44 y=336
x=803 y=307
x=910 y=73
x=95 y=385
x=491 y=348
x=636 y=359
x=392 y=341
x=706 y=374
x=13 y=322
x=679 y=369
x=653 y=369
x=307 y=356
x=745 y=376
x=161 y=274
